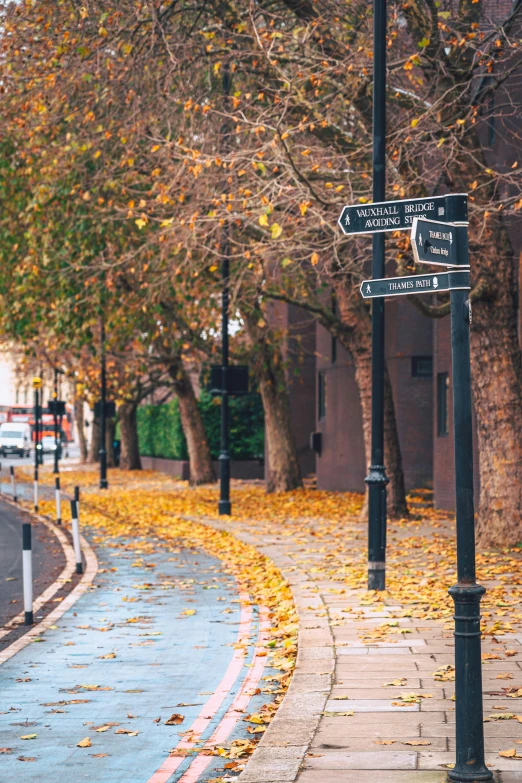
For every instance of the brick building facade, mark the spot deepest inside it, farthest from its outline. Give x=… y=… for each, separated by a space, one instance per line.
x=325 y=399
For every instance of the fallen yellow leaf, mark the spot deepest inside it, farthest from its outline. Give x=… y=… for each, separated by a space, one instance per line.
x=417 y=742
x=175 y=719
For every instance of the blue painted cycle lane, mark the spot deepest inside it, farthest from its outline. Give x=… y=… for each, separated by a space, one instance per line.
x=152 y=639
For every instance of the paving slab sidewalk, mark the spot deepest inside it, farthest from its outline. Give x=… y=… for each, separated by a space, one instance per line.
x=340 y=722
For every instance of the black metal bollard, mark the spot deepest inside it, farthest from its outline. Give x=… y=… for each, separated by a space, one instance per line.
x=76 y=537
x=27 y=565
x=58 y=501
x=13 y=483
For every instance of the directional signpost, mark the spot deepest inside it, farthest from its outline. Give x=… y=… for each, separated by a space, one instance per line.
x=439 y=237
x=399 y=215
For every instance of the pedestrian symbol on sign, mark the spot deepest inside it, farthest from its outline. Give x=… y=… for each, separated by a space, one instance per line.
x=420 y=240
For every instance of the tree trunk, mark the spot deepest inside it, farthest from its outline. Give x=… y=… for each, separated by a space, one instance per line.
x=130 y=453
x=358 y=343
x=496 y=363
x=284 y=473
x=201 y=467
x=80 y=428
x=110 y=430
x=496 y=380
x=94 y=445
x=396 y=498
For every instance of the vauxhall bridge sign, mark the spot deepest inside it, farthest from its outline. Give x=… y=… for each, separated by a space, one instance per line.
x=399 y=215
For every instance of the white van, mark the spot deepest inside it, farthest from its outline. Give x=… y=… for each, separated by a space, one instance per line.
x=15 y=438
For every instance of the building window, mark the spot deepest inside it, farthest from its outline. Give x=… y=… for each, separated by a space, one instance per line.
x=442 y=403
x=321 y=395
x=422 y=366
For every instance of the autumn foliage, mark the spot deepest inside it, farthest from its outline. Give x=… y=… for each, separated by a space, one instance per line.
x=138 y=135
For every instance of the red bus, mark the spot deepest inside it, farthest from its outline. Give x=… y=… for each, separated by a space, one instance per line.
x=25 y=413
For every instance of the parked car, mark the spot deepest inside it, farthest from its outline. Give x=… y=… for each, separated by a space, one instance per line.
x=15 y=438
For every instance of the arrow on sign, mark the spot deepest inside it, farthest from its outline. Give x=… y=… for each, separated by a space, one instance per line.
x=434 y=242
x=416 y=284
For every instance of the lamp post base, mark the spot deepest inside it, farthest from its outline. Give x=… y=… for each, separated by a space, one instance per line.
x=465 y=776
x=104 y=484
x=469 y=728
x=376 y=481
x=376 y=576
x=224 y=508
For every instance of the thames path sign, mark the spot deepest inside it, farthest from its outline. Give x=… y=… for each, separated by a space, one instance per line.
x=399 y=215
x=416 y=284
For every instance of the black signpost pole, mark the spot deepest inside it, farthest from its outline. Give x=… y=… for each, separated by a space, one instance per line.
x=376 y=479
x=103 y=419
x=224 y=505
x=470 y=764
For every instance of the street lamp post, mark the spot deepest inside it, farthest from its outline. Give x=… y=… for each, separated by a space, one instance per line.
x=104 y=484
x=37 y=385
x=224 y=505
x=376 y=479
x=56 y=468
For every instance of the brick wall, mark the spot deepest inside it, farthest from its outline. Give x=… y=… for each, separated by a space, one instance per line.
x=409 y=335
x=299 y=355
x=443 y=446
x=342 y=465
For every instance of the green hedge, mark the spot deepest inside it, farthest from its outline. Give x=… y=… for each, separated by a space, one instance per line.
x=160 y=433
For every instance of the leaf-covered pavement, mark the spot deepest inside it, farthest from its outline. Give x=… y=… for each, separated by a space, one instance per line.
x=328 y=543
x=161 y=673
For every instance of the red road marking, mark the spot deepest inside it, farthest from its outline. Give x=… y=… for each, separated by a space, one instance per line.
x=234 y=712
x=213 y=704
x=237 y=709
